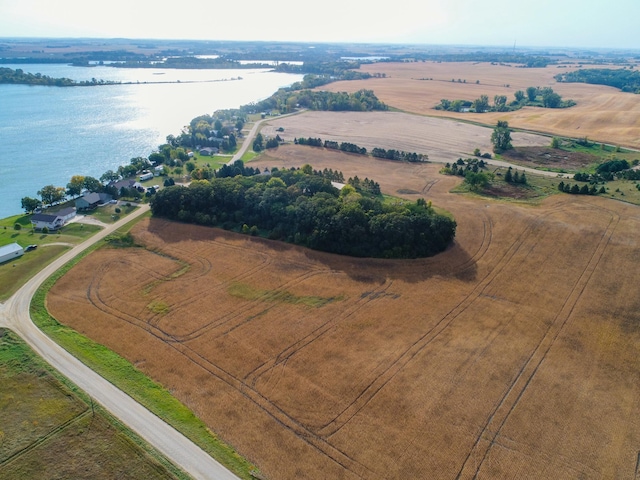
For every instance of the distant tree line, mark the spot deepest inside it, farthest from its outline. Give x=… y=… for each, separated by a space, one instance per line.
x=609 y=171
x=533 y=96
x=300 y=207
x=377 y=152
x=575 y=189
x=523 y=60
x=623 y=79
x=18 y=76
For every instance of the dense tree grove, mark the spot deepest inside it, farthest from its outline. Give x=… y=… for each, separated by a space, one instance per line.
x=287 y=100
x=535 y=97
x=625 y=80
x=301 y=207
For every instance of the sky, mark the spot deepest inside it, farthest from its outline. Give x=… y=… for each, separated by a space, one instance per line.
x=546 y=23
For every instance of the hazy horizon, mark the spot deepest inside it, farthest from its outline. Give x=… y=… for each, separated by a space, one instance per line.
x=491 y=23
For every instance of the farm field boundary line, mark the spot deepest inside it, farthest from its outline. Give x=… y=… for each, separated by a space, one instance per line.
x=507 y=404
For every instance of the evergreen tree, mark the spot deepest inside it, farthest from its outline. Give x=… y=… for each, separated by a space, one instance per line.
x=508 y=177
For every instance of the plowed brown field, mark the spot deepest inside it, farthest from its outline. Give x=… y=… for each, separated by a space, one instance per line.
x=602 y=113
x=514 y=354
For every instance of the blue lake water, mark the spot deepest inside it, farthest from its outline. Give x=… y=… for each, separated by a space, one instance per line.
x=49 y=134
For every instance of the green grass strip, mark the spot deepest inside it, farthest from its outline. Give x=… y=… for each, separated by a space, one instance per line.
x=132 y=381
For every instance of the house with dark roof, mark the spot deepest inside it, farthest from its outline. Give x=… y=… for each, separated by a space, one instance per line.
x=208 y=151
x=52 y=220
x=126 y=183
x=89 y=201
x=46 y=220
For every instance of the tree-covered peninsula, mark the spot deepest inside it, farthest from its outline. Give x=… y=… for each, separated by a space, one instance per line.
x=18 y=76
x=303 y=207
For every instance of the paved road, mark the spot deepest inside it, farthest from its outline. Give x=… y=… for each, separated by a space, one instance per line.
x=248 y=140
x=14 y=314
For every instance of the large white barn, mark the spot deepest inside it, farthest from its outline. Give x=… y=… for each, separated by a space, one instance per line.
x=10 y=252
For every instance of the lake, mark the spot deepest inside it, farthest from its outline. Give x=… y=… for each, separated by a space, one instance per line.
x=49 y=134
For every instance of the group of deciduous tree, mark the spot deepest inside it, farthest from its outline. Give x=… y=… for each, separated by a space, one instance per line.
x=534 y=96
x=301 y=207
x=625 y=80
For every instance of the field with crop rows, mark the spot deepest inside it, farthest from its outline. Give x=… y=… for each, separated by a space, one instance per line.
x=513 y=354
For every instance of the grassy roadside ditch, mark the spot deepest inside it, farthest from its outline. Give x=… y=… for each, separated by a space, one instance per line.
x=126 y=377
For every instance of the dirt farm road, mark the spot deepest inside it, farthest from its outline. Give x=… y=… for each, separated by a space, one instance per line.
x=14 y=314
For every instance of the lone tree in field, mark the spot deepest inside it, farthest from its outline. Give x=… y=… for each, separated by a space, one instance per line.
x=501 y=137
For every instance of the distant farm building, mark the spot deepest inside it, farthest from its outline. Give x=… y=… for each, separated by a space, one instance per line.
x=92 y=200
x=10 y=252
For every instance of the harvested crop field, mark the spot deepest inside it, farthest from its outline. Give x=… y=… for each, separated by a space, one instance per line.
x=514 y=354
x=602 y=113
x=443 y=140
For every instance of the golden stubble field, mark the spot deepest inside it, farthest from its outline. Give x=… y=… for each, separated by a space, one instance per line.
x=514 y=354
x=443 y=140
x=602 y=113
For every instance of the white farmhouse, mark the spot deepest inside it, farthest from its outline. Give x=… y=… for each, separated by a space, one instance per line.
x=10 y=252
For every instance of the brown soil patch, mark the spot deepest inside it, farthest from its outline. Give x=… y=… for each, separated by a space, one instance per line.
x=549 y=157
x=506 y=190
x=602 y=113
x=442 y=139
x=512 y=354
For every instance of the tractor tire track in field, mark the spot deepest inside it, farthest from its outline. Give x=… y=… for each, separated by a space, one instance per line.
x=253 y=376
x=186 y=300
x=44 y=438
x=277 y=414
x=263 y=403
x=487 y=237
x=500 y=414
x=237 y=318
x=371 y=390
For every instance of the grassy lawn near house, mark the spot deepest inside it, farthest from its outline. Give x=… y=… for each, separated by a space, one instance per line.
x=15 y=273
x=108 y=213
x=215 y=161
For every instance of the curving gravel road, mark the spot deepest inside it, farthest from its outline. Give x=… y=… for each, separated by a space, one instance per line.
x=14 y=314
